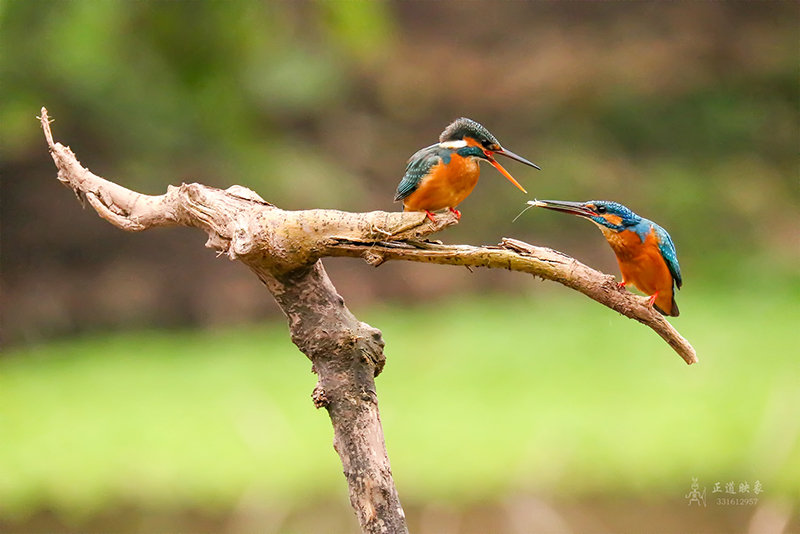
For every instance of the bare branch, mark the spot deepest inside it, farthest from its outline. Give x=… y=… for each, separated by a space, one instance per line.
x=241 y=223
x=283 y=248
x=238 y=221
x=515 y=255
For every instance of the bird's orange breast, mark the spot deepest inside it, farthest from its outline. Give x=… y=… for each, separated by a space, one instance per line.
x=445 y=186
x=642 y=264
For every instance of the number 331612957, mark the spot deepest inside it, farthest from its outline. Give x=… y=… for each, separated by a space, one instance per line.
x=737 y=501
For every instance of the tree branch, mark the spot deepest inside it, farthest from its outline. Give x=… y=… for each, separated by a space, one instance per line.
x=283 y=248
x=515 y=255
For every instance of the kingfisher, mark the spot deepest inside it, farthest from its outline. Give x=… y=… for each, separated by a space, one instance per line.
x=443 y=175
x=644 y=250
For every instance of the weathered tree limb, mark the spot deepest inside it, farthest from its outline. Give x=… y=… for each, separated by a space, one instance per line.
x=516 y=255
x=283 y=248
x=347 y=354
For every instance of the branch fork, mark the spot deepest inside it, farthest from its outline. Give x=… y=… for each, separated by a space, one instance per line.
x=283 y=249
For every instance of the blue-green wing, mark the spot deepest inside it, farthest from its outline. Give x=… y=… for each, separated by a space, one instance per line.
x=667 y=249
x=418 y=167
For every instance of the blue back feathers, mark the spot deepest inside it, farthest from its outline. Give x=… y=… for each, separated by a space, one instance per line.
x=418 y=166
x=667 y=249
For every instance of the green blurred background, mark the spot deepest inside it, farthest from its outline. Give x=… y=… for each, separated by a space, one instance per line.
x=148 y=386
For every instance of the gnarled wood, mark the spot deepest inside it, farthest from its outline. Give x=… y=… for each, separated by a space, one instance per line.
x=515 y=255
x=283 y=248
x=347 y=355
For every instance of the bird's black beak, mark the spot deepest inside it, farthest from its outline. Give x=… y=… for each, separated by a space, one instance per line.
x=574 y=208
x=509 y=154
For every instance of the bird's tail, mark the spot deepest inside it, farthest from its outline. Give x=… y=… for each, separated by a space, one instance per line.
x=662 y=304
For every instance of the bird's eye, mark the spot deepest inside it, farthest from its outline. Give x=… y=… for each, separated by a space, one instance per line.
x=600 y=209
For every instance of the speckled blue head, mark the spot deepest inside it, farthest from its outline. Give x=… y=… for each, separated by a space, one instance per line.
x=466 y=135
x=612 y=214
x=464 y=127
x=606 y=213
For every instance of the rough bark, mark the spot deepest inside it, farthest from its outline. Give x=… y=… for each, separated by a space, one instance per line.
x=283 y=248
x=516 y=255
x=347 y=354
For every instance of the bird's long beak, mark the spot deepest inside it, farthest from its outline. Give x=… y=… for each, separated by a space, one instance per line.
x=509 y=154
x=574 y=208
x=505 y=173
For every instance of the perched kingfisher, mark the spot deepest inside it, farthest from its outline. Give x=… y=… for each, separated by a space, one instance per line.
x=645 y=252
x=443 y=175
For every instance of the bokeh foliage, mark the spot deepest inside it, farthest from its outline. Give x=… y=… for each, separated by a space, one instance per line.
x=183 y=87
x=686 y=113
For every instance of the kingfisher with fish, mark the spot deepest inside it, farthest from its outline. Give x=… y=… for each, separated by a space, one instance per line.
x=442 y=175
x=644 y=250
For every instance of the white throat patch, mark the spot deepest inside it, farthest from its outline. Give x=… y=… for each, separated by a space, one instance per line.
x=460 y=143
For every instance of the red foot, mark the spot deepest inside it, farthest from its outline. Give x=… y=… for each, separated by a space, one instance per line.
x=456 y=213
x=430 y=216
x=652 y=299
x=622 y=284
